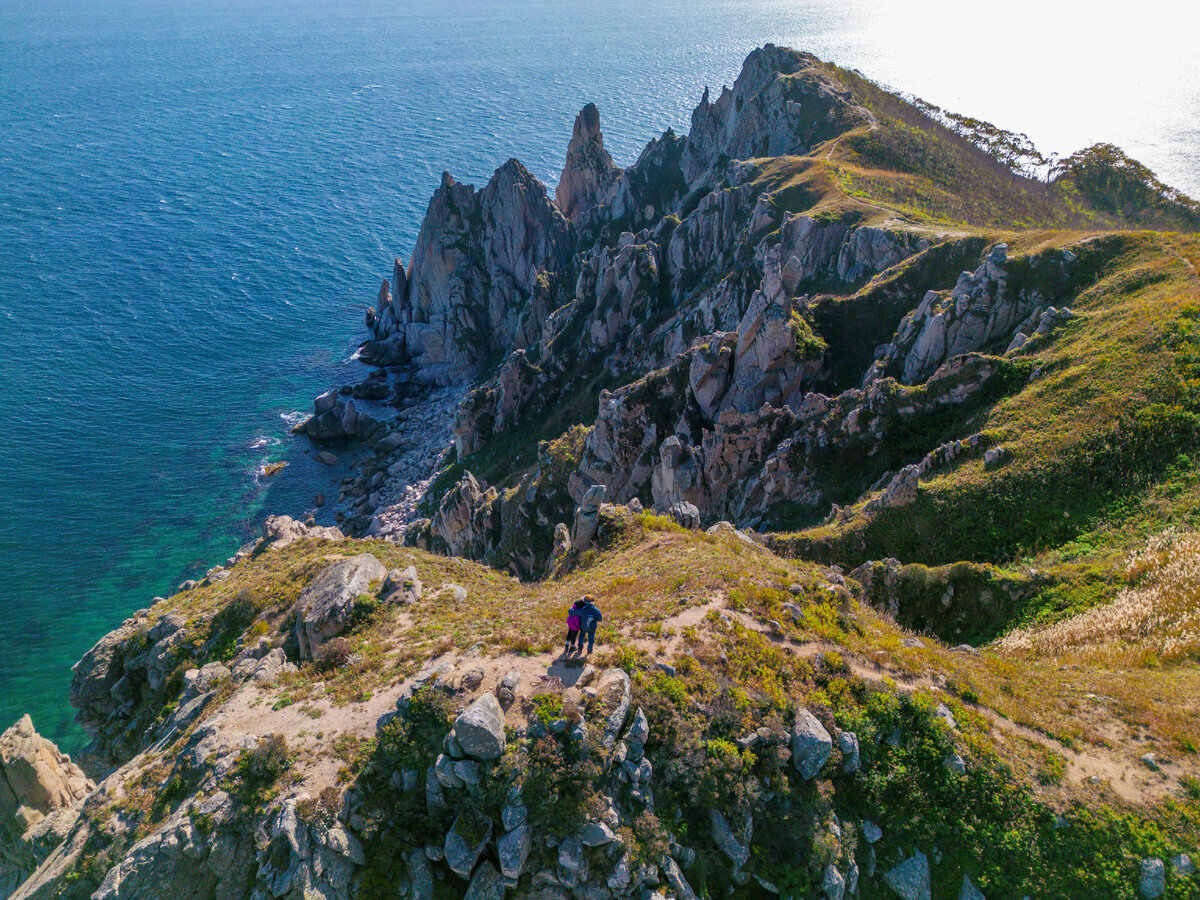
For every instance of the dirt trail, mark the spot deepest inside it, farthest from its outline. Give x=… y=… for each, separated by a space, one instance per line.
x=253 y=712
x=872 y=124
x=1129 y=779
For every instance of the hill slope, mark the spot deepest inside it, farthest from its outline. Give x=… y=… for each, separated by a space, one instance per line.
x=872 y=436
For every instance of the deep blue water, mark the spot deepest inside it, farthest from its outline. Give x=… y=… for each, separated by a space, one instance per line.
x=197 y=199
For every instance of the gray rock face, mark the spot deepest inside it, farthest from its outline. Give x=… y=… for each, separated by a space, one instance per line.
x=479 y=729
x=766 y=113
x=1152 y=878
x=589 y=174
x=980 y=311
x=326 y=607
x=910 y=879
x=811 y=744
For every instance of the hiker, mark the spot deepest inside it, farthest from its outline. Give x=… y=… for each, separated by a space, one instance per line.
x=589 y=618
x=573 y=624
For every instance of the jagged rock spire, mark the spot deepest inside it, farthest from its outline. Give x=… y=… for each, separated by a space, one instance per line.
x=589 y=171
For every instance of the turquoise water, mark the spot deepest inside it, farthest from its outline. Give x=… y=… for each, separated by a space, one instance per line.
x=197 y=199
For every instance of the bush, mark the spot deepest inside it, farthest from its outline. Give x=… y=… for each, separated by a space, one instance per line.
x=259 y=769
x=334 y=654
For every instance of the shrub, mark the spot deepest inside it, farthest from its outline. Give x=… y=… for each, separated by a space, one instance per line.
x=334 y=654
x=260 y=768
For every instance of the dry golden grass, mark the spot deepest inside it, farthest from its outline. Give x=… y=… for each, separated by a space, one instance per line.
x=1155 y=621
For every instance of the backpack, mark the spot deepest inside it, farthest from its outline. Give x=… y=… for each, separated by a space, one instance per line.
x=572 y=621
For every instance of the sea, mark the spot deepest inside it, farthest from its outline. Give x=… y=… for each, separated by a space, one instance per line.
x=199 y=198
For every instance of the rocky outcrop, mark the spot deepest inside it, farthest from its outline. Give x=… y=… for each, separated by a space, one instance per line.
x=283 y=531
x=479 y=279
x=782 y=103
x=326 y=607
x=36 y=779
x=982 y=310
x=41 y=792
x=335 y=419
x=589 y=174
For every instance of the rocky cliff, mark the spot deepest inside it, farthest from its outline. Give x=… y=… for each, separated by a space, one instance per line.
x=855 y=435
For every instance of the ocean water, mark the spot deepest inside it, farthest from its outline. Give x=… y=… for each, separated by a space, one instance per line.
x=198 y=199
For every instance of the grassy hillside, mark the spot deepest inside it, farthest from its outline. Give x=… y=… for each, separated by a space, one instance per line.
x=721 y=638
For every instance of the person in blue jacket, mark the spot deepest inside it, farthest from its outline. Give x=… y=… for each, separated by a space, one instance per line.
x=589 y=618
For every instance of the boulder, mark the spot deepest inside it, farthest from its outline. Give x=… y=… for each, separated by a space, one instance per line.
x=833 y=885
x=486 y=884
x=686 y=514
x=736 y=847
x=615 y=694
x=968 y=891
x=465 y=845
x=326 y=607
x=479 y=729
x=402 y=585
x=597 y=834
x=1152 y=878
x=909 y=880
x=848 y=744
x=513 y=850
x=506 y=690
x=420 y=874
x=811 y=744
